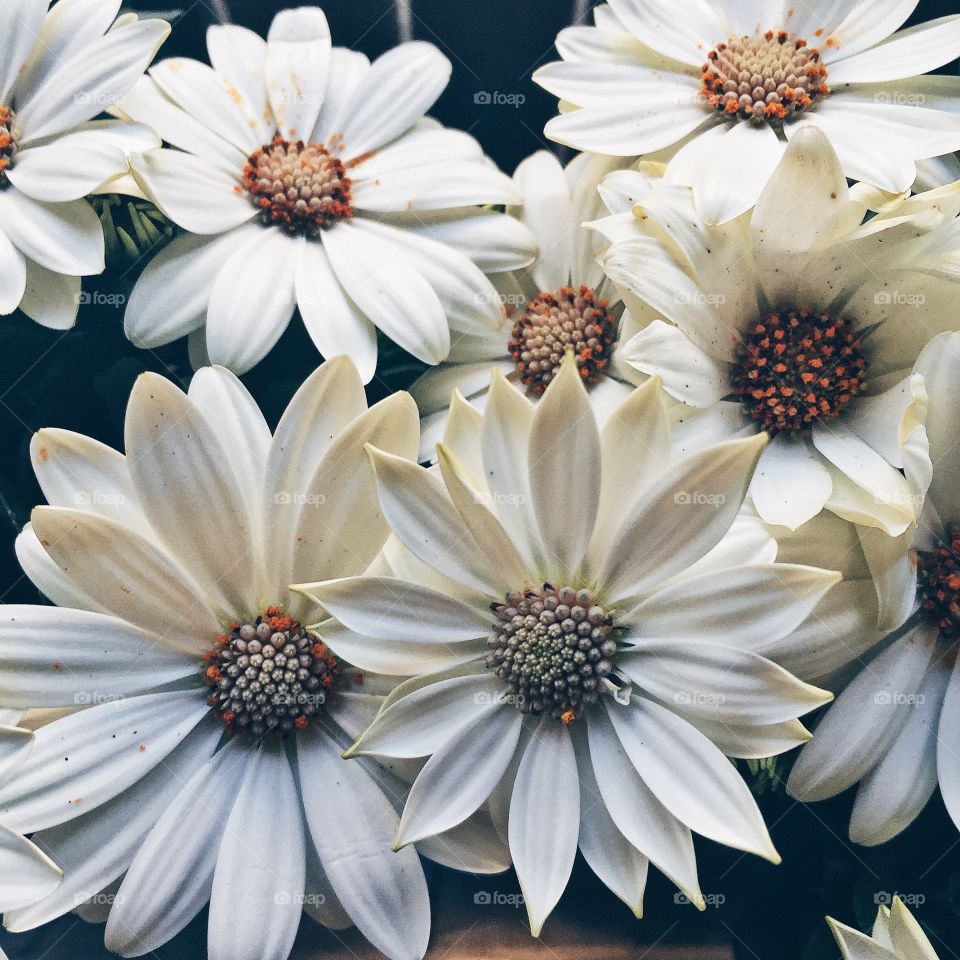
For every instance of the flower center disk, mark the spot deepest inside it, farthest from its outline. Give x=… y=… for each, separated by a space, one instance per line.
x=555 y=323
x=938 y=584
x=299 y=187
x=269 y=676
x=553 y=646
x=764 y=78
x=798 y=367
x=8 y=143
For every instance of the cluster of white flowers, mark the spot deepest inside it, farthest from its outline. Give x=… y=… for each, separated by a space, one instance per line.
x=685 y=467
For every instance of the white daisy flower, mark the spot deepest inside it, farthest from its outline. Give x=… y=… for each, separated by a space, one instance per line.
x=307 y=177
x=204 y=763
x=562 y=300
x=58 y=70
x=583 y=618
x=894 y=728
x=735 y=81
x=801 y=320
x=896 y=935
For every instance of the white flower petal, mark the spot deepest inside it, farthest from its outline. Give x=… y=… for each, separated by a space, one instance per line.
x=170 y=297
x=741 y=165
x=63 y=237
x=127 y=576
x=69 y=167
x=170 y=878
x=718 y=682
x=13 y=275
x=621 y=867
x=28 y=873
x=21 y=24
x=341 y=530
x=384 y=892
x=55 y=657
x=208 y=98
x=545 y=819
x=346 y=72
x=87 y=758
x=396 y=610
x=298 y=58
x=656 y=24
x=686 y=372
x=564 y=432
x=680 y=517
x=147 y=103
x=423 y=517
x=865 y=25
x=96 y=848
x=393 y=657
x=910 y=53
x=191 y=191
x=791 y=485
x=667 y=751
x=627 y=131
x=855 y=945
x=643 y=820
x=252 y=300
x=858 y=730
x=239 y=55
x=470 y=301
x=398 y=300
x=257 y=867
x=100 y=72
x=51 y=299
x=892 y=795
x=397 y=90
x=335 y=323
x=418 y=724
x=460 y=776
x=438 y=185
x=171 y=448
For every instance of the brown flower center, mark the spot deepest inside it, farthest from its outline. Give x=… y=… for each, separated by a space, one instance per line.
x=555 y=323
x=766 y=77
x=938 y=584
x=553 y=646
x=798 y=367
x=301 y=188
x=8 y=143
x=269 y=676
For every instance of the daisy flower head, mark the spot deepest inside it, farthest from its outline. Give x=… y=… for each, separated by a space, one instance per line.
x=731 y=83
x=306 y=177
x=580 y=618
x=60 y=68
x=893 y=727
x=801 y=320
x=198 y=754
x=560 y=301
x=896 y=935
